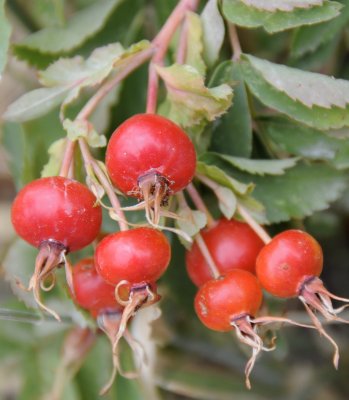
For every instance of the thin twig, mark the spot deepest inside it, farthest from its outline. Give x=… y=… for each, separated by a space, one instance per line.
x=67 y=158
x=93 y=102
x=90 y=161
x=161 y=42
x=31 y=317
x=200 y=241
x=235 y=43
x=260 y=231
x=207 y=255
x=181 y=54
x=199 y=204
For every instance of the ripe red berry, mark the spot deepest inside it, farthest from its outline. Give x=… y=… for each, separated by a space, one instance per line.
x=136 y=256
x=290 y=266
x=57 y=209
x=147 y=152
x=289 y=260
x=232 y=244
x=90 y=291
x=221 y=301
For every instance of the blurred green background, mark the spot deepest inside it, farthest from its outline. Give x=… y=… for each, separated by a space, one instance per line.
x=191 y=362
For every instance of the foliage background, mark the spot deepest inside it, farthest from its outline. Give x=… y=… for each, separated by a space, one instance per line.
x=191 y=362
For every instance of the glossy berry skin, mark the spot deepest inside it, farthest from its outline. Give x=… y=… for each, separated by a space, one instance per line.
x=91 y=292
x=58 y=209
x=284 y=264
x=232 y=244
x=148 y=143
x=137 y=255
x=218 y=302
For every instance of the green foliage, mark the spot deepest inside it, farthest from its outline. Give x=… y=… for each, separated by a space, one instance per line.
x=190 y=102
x=276 y=16
x=5 y=30
x=83 y=25
x=311 y=98
x=65 y=79
x=213 y=30
x=299 y=192
x=233 y=132
x=308 y=39
x=289 y=138
x=271 y=133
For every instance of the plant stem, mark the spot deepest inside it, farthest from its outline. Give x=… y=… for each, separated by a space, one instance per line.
x=67 y=158
x=199 y=240
x=235 y=43
x=91 y=162
x=183 y=41
x=138 y=60
x=161 y=42
x=207 y=255
x=30 y=317
x=199 y=204
x=91 y=105
x=260 y=231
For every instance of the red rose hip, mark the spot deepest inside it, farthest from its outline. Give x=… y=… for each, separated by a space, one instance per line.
x=232 y=244
x=136 y=256
x=150 y=157
x=221 y=301
x=90 y=291
x=290 y=266
x=57 y=209
x=57 y=215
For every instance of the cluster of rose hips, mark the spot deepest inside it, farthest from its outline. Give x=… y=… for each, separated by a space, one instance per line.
x=151 y=158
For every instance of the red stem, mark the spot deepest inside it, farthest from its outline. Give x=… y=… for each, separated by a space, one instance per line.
x=200 y=205
x=183 y=41
x=162 y=42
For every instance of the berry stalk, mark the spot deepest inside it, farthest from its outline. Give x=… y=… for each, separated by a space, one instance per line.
x=162 y=42
x=90 y=162
x=199 y=204
x=260 y=231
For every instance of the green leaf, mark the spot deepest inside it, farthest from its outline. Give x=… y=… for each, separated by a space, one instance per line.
x=83 y=25
x=316 y=100
x=213 y=31
x=276 y=16
x=227 y=201
x=217 y=175
x=5 y=31
x=309 y=38
x=84 y=129
x=257 y=167
x=194 y=43
x=290 y=138
x=191 y=103
x=233 y=132
x=66 y=71
x=55 y=152
x=298 y=193
x=49 y=13
x=94 y=69
x=67 y=77
x=191 y=221
x=282 y=5
x=309 y=88
x=35 y=104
